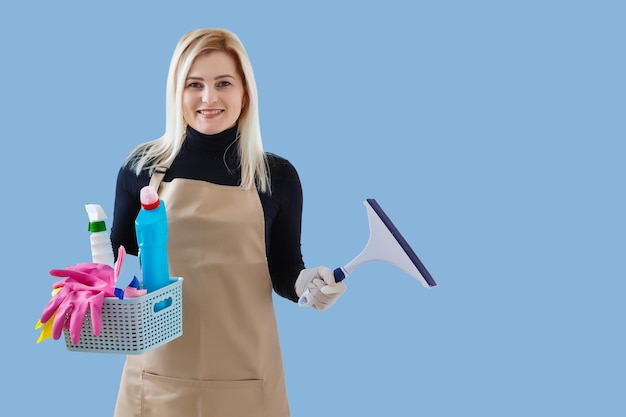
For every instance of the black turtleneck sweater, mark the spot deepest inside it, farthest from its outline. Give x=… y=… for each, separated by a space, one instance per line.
x=211 y=158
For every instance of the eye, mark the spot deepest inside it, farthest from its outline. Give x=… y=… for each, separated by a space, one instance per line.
x=223 y=84
x=194 y=84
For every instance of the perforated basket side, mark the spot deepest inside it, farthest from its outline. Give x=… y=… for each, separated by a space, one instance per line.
x=132 y=326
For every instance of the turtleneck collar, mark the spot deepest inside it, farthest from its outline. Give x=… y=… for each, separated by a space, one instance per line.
x=218 y=142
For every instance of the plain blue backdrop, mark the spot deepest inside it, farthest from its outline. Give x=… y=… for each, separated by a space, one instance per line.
x=491 y=132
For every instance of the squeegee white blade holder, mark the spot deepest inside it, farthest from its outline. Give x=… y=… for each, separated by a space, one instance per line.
x=388 y=245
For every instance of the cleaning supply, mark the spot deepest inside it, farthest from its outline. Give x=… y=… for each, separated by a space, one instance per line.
x=151 y=229
x=46 y=328
x=83 y=288
x=123 y=282
x=385 y=244
x=101 y=249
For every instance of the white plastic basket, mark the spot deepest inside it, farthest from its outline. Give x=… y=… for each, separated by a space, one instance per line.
x=132 y=326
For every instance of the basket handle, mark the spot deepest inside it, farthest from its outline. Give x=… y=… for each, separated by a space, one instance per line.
x=158 y=307
x=163 y=301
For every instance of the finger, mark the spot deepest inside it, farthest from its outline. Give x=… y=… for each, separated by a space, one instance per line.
x=95 y=305
x=318 y=283
x=74 y=286
x=117 y=267
x=93 y=268
x=326 y=274
x=53 y=304
x=90 y=274
x=46 y=332
x=76 y=321
x=338 y=288
x=319 y=299
x=60 y=317
x=71 y=275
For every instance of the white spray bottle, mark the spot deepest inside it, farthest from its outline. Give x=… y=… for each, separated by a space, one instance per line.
x=101 y=249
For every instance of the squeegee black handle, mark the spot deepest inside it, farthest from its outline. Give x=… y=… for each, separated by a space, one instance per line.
x=339 y=275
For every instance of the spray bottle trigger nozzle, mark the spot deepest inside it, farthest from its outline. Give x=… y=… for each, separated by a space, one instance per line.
x=135 y=283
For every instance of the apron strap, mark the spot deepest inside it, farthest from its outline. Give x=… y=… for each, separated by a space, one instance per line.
x=157 y=177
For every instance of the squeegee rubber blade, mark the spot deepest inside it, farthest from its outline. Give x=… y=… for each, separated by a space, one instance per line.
x=403 y=243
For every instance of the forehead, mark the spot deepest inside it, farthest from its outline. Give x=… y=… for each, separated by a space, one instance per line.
x=214 y=63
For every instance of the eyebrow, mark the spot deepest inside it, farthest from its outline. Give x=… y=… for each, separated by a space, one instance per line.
x=216 y=78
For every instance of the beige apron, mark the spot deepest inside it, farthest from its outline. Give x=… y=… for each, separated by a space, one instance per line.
x=228 y=362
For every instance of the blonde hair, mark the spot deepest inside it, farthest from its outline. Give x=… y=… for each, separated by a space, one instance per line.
x=162 y=151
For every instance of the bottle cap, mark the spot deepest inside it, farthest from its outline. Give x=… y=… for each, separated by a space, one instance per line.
x=95 y=227
x=149 y=198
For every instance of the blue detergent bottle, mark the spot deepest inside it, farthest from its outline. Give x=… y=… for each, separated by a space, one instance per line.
x=151 y=229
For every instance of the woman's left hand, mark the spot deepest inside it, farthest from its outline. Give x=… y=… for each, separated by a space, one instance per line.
x=322 y=288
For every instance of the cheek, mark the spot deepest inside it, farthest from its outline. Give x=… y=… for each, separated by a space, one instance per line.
x=187 y=106
x=240 y=101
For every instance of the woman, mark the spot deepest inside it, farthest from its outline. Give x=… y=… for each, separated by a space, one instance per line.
x=234 y=219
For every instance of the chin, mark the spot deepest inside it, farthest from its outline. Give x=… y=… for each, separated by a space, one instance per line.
x=213 y=130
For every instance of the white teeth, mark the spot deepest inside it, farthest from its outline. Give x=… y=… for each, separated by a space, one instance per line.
x=209 y=112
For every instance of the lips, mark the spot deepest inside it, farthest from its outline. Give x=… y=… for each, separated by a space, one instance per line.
x=210 y=112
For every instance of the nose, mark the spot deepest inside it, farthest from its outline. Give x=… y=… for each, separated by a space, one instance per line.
x=207 y=95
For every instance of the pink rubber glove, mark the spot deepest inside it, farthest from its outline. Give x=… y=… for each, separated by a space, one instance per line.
x=71 y=314
x=82 y=277
x=92 y=275
x=85 y=286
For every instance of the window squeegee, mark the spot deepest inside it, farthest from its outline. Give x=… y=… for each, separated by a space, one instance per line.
x=385 y=244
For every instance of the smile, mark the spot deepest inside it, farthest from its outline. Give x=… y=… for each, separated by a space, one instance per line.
x=209 y=112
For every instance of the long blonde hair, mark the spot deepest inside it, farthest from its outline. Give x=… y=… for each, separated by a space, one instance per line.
x=162 y=151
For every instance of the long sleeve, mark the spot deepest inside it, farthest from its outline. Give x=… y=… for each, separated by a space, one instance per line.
x=283 y=220
x=125 y=210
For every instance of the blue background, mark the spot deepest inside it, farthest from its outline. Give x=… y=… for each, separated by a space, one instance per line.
x=491 y=132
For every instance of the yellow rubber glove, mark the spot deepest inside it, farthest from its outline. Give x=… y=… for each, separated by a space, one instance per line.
x=46 y=332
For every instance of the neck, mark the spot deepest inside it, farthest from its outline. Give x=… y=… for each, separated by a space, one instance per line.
x=218 y=142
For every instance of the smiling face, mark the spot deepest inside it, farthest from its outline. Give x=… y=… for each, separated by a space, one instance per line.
x=214 y=93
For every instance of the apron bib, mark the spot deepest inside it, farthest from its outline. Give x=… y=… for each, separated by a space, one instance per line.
x=228 y=361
